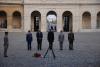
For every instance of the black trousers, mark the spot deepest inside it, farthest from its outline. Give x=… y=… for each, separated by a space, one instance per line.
x=39 y=46
x=5 y=50
x=29 y=45
x=61 y=45
x=50 y=48
x=71 y=45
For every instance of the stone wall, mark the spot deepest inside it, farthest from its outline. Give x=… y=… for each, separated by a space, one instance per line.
x=11 y=1
x=62 y=1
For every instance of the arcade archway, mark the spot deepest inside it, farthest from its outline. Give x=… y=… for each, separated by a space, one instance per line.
x=16 y=20
x=67 y=21
x=35 y=21
x=98 y=20
x=86 y=20
x=51 y=21
x=3 y=20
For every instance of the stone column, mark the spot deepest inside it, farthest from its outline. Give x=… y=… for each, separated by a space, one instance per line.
x=9 y=22
x=27 y=23
x=76 y=22
x=22 y=22
x=80 y=22
x=93 y=21
x=59 y=22
x=43 y=25
x=27 y=18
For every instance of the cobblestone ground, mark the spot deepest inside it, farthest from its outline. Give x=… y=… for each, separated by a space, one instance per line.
x=86 y=52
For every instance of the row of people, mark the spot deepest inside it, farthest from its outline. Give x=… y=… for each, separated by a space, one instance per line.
x=39 y=35
x=50 y=38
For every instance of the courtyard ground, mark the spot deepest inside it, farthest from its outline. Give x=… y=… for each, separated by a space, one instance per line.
x=86 y=51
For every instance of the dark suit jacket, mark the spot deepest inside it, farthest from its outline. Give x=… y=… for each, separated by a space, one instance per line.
x=39 y=35
x=50 y=36
x=6 y=41
x=71 y=37
x=29 y=37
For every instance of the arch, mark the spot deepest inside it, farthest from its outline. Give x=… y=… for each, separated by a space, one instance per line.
x=86 y=20
x=67 y=19
x=16 y=20
x=3 y=19
x=51 y=21
x=98 y=20
x=35 y=21
x=52 y=12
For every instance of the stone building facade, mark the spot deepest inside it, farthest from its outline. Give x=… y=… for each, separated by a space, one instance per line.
x=24 y=15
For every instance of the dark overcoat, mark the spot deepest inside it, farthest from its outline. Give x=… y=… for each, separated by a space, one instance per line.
x=29 y=37
x=71 y=37
x=39 y=36
x=50 y=36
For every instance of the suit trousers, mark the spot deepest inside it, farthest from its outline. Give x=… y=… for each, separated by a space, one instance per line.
x=5 y=50
x=39 y=46
x=61 y=45
x=29 y=45
x=71 y=45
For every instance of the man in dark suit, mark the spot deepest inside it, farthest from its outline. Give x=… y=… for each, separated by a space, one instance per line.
x=6 y=44
x=71 y=40
x=50 y=38
x=39 y=36
x=29 y=39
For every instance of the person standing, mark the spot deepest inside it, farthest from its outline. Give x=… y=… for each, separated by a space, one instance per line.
x=61 y=39
x=71 y=40
x=39 y=36
x=29 y=39
x=6 y=44
x=50 y=38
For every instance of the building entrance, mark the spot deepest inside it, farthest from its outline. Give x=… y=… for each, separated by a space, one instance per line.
x=35 y=21
x=67 y=21
x=51 y=21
